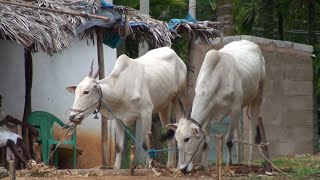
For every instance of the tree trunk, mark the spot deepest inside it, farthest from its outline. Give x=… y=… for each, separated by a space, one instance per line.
x=280 y=26
x=312 y=38
x=192 y=7
x=226 y=11
x=268 y=19
x=191 y=61
x=28 y=85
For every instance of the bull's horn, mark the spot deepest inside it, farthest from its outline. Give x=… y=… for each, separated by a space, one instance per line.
x=181 y=105
x=97 y=72
x=90 y=73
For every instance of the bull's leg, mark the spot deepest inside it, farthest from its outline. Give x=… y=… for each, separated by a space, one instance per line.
x=235 y=116
x=119 y=131
x=254 y=113
x=252 y=131
x=164 y=117
x=229 y=138
x=205 y=151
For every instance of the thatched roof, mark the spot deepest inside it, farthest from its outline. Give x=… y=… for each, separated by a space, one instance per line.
x=52 y=32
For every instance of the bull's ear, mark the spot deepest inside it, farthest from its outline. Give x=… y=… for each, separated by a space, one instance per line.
x=71 y=89
x=172 y=126
x=170 y=133
x=196 y=131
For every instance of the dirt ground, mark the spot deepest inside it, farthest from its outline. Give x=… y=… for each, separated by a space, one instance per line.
x=232 y=172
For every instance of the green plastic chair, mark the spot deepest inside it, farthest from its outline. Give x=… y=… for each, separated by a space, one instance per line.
x=43 y=122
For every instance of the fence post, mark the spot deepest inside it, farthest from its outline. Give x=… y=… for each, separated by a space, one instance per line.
x=12 y=170
x=132 y=159
x=219 y=155
x=265 y=146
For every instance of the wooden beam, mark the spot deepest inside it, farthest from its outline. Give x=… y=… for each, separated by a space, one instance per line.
x=265 y=146
x=12 y=170
x=56 y=10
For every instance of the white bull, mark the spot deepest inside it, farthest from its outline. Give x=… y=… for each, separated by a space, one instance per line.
x=133 y=91
x=229 y=80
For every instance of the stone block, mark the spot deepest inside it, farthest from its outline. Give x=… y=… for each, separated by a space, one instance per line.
x=229 y=39
x=303 y=47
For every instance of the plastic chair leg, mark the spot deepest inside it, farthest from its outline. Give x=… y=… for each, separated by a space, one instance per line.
x=74 y=157
x=56 y=158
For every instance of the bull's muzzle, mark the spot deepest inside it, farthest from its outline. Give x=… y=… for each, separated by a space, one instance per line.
x=186 y=168
x=77 y=119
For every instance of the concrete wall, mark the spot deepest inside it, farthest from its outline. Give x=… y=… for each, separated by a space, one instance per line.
x=51 y=74
x=287 y=107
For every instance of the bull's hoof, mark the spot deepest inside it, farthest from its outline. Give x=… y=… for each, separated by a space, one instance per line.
x=170 y=166
x=229 y=163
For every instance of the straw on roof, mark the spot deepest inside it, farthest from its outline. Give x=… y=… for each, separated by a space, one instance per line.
x=52 y=32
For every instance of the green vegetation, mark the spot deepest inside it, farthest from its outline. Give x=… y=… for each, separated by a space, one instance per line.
x=298 y=167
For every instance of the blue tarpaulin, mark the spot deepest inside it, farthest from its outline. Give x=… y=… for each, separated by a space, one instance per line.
x=111 y=38
x=174 y=22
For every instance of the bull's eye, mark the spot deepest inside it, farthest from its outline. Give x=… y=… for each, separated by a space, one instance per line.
x=186 y=139
x=86 y=92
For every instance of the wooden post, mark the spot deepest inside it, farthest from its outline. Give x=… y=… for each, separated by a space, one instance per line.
x=264 y=148
x=219 y=156
x=37 y=154
x=28 y=73
x=104 y=122
x=132 y=159
x=12 y=170
x=150 y=146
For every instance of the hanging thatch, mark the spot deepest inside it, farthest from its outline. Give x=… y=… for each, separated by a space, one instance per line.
x=38 y=29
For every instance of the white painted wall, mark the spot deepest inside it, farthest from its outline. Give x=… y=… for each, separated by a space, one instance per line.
x=51 y=74
x=12 y=81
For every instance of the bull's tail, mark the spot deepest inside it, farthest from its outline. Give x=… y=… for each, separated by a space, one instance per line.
x=248 y=111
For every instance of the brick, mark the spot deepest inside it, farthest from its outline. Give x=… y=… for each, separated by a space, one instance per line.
x=298 y=118
x=288 y=133
x=298 y=72
x=272 y=87
x=296 y=59
x=297 y=87
x=299 y=103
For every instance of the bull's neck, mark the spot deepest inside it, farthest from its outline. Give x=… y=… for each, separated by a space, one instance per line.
x=108 y=90
x=201 y=120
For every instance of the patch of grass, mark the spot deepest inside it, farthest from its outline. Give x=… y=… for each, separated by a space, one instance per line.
x=301 y=166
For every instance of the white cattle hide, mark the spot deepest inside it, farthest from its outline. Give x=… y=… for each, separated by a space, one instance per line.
x=133 y=91
x=229 y=79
